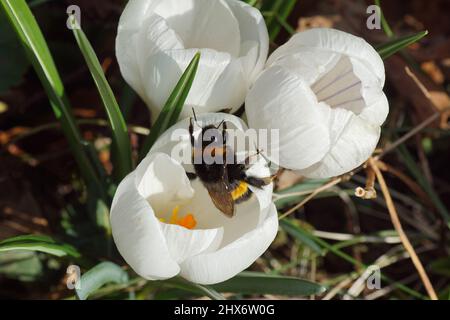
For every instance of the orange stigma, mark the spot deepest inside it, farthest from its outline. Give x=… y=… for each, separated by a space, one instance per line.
x=188 y=221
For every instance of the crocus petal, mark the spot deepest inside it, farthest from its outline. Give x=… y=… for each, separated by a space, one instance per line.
x=138 y=235
x=254 y=38
x=247 y=216
x=323 y=40
x=340 y=80
x=223 y=264
x=377 y=111
x=184 y=243
x=376 y=104
x=126 y=52
x=128 y=46
x=354 y=146
x=157 y=39
x=200 y=24
x=173 y=62
x=135 y=12
x=163 y=182
x=158 y=191
x=282 y=101
x=249 y=213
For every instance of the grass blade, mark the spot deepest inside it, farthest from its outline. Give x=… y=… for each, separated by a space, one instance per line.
x=388 y=49
x=210 y=292
x=121 y=142
x=412 y=166
x=36 y=49
x=297 y=233
x=260 y=283
x=279 y=11
x=126 y=100
x=38 y=243
x=253 y=3
x=385 y=25
x=172 y=109
x=101 y=274
x=336 y=251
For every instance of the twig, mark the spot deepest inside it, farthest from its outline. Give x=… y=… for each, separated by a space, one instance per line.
x=369 y=191
x=279 y=196
x=411 y=184
x=398 y=227
x=341 y=285
x=386 y=290
x=409 y=135
x=356 y=238
x=421 y=86
x=423 y=159
x=312 y=195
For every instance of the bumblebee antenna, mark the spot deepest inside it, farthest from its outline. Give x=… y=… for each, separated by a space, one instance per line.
x=218 y=126
x=195 y=118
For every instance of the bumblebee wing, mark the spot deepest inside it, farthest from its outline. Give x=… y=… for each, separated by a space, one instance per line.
x=221 y=197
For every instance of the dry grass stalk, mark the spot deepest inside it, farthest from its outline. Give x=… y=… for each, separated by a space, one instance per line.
x=398 y=227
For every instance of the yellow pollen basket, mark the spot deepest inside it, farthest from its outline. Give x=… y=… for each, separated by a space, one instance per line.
x=240 y=190
x=188 y=221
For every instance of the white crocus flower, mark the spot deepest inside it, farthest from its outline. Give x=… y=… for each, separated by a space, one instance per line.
x=158 y=38
x=165 y=224
x=323 y=91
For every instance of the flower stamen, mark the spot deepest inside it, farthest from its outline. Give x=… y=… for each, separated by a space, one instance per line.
x=188 y=221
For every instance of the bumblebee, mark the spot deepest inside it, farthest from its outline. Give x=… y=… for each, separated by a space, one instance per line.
x=227 y=183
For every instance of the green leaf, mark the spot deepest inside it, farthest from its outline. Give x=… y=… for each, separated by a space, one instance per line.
x=249 y=283
x=121 y=142
x=184 y=285
x=291 y=228
x=36 y=49
x=31 y=237
x=260 y=283
x=38 y=243
x=24 y=266
x=388 y=49
x=13 y=62
x=101 y=274
x=127 y=99
x=174 y=105
x=35 y=3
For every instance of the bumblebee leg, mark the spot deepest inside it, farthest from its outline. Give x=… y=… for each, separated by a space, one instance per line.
x=260 y=182
x=225 y=110
x=240 y=191
x=191 y=175
x=191 y=132
x=257 y=182
x=224 y=132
